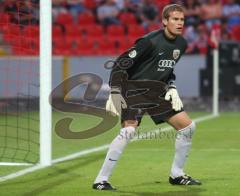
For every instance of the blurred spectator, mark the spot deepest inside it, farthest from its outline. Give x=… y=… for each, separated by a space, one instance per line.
x=10 y=7
x=58 y=6
x=107 y=13
x=211 y=12
x=28 y=13
x=199 y=45
x=132 y=6
x=225 y=33
x=120 y=4
x=192 y=12
x=190 y=34
x=76 y=7
x=231 y=11
x=149 y=13
x=36 y=2
x=178 y=2
x=99 y=2
x=2 y=8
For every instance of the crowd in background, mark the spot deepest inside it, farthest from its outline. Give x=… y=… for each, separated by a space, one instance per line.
x=201 y=16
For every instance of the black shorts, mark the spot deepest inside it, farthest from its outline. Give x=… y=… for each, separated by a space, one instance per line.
x=142 y=101
x=129 y=114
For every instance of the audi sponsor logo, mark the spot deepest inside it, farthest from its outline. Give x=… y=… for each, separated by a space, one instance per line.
x=166 y=63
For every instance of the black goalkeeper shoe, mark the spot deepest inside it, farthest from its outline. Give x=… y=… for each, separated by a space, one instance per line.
x=184 y=180
x=104 y=185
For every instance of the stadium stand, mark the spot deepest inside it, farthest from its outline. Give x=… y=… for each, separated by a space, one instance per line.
x=87 y=31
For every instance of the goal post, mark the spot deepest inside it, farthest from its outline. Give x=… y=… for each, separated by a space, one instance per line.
x=45 y=82
x=215 y=82
x=26 y=130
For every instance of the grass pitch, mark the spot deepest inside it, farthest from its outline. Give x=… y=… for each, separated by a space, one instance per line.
x=144 y=166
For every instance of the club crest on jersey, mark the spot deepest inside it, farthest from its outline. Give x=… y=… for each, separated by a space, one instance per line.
x=132 y=54
x=176 y=53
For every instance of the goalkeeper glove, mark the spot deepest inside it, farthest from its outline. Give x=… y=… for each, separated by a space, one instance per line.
x=172 y=95
x=115 y=102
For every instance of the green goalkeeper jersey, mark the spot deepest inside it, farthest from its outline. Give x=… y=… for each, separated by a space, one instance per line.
x=153 y=57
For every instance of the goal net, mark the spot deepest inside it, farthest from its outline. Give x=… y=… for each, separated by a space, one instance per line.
x=19 y=83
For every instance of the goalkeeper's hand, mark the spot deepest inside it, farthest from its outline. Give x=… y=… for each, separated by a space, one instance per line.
x=115 y=102
x=172 y=95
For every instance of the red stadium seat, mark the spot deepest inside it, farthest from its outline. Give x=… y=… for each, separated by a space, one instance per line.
x=84 y=47
x=106 y=47
x=31 y=31
x=12 y=33
x=21 y=43
x=24 y=47
x=86 y=18
x=5 y=18
x=236 y=32
x=162 y=3
x=123 y=45
x=115 y=32
x=154 y=27
x=20 y=51
x=4 y=21
x=73 y=33
x=95 y=33
x=128 y=19
x=36 y=46
x=64 y=19
x=90 y=4
x=202 y=50
x=135 y=32
x=62 y=47
x=57 y=33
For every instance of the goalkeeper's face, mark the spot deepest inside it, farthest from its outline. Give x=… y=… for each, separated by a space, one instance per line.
x=174 y=23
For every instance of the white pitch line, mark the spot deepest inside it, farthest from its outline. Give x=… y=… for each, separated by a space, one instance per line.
x=15 y=164
x=84 y=152
x=192 y=149
x=81 y=153
x=21 y=173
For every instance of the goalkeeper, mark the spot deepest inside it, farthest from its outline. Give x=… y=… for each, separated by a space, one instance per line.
x=152 y=58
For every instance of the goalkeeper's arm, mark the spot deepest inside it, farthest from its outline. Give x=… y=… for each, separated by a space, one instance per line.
x=124 y=62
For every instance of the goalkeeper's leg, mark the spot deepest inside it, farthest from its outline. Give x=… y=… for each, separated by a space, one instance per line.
x=114 y=152
x=185 y=128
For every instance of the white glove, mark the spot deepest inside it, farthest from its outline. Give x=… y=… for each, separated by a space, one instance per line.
x=172 y=95
x=115 y=102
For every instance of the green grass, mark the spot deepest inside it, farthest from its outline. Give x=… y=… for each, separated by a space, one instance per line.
x=144 y=166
